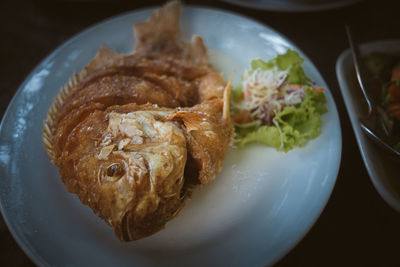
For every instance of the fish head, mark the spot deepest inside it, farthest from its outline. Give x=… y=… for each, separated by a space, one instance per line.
x=133 y=170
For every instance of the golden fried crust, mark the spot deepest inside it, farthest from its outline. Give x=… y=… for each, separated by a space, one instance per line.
x=120 y=90
x=126 y=183
x=209 y=131
x=167 y=84
x=132 y=134
x=208 y=137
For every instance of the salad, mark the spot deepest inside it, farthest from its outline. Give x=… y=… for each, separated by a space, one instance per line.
x=385 y=80
x=277 y=104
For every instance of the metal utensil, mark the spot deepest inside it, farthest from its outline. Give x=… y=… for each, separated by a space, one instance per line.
x=367 y=122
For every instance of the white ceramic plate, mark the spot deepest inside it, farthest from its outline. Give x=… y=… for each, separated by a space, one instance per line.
x=293 y=5
x=257 y=209
x=383 y=170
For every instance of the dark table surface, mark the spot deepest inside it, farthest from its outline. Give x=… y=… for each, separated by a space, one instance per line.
x=356 y=228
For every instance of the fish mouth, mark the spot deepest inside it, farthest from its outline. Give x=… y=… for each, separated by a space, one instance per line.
x=155 y=213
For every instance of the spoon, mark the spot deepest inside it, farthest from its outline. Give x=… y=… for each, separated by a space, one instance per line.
x=367 y=122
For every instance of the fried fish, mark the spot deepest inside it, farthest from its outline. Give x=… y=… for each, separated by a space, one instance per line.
x=133 y=134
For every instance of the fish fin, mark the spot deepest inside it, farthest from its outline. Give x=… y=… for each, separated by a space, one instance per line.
x=159 y=33
x=191 y=120
x=196 y=51
x=103 y=57
x=53 y=115
x=227 y=101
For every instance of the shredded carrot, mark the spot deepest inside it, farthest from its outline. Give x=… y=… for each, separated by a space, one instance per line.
x=396 y=74
x=240 y=97
x=295 y=86
x=319 y=89
x=242 y=117
x=394 y=91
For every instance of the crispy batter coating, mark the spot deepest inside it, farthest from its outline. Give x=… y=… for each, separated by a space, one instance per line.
x=133 y=134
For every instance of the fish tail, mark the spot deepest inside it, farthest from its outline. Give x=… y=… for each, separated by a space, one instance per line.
x=159 y=34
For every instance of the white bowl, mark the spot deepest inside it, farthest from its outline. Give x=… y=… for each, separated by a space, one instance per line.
x=382 y=169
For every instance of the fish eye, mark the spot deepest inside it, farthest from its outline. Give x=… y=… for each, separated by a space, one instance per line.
x=111 y=174
x=115 y=170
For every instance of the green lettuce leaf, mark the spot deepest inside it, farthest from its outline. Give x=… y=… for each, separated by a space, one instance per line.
x=294 y=126
x=266 y=135
x=290 y=61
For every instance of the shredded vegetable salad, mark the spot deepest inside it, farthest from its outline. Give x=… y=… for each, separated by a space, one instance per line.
x=277 y=104
x=384 y=69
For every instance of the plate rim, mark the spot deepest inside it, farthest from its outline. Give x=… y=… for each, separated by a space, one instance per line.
x=29 y=249
x=292 y=8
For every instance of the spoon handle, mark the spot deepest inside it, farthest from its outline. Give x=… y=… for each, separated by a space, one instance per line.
x=373 y=136
x=360 y=70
